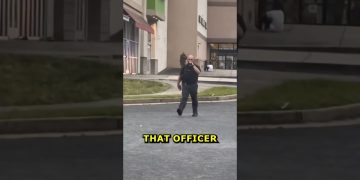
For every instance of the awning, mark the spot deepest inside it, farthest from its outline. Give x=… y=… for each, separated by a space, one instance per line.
x=139 y=21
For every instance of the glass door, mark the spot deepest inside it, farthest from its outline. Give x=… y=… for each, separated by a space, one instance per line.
x=221 y=62
x=312 y=11
x=229 y=62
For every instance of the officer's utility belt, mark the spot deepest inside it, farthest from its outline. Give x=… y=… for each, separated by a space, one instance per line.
x=189 y=83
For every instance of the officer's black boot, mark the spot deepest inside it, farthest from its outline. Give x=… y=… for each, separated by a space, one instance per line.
x=195 y=111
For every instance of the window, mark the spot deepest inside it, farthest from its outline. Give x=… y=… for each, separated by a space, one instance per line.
x=229 y=62
x=131 y=44
x=222 y=55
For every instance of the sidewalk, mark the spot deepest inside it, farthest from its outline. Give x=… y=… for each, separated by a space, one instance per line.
x=305 y=36
x=219 y=73
x=214 y=80
x=298 y=57
x=174 y=91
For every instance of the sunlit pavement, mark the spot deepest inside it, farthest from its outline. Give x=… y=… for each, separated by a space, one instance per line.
x=180 y=161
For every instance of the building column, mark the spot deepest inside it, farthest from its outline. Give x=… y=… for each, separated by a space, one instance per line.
x=49 y=18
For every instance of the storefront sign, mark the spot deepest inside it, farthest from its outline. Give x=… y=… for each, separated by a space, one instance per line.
x=126 y=18
x=202 y=22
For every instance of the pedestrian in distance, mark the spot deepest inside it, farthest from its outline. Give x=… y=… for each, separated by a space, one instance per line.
x=188 y=84
x=206 y=68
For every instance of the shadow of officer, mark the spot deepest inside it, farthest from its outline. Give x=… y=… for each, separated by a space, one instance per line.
x=188 y=84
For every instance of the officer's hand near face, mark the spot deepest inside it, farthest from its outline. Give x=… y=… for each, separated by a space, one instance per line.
x=191 y=62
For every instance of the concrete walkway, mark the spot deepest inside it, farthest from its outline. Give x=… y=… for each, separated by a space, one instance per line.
x=174 y=91
x=298 y=57
x=305 y=36
x=216 y=80
x=216 y=73
x=224 y=73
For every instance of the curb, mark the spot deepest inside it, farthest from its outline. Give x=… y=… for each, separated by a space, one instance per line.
x=211 y=98
x=299 y=116
x=63 y=124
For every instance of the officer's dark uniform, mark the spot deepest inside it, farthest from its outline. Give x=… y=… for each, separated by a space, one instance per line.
x=189 y=81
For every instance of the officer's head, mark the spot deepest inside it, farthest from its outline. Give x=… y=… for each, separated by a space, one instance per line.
x=190 y=59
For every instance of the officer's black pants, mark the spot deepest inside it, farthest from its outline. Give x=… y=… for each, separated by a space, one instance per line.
x=186 y=90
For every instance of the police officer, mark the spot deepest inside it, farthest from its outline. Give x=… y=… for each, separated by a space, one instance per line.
x=187 y=82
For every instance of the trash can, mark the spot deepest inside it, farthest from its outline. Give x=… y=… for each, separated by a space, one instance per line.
x=144 y=66
x=154 y=66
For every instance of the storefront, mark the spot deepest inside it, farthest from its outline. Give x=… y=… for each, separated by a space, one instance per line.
x=21 y=19
x=223 y=56
x=134 y=25
x=61 y=20
x=316 y=12
x=130 y=45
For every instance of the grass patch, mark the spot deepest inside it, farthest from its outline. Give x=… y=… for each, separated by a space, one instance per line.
x=302 y=94
x=219 y=91
x=215 y=91
x=37 y=80
x=73 y=112
x=136 y=87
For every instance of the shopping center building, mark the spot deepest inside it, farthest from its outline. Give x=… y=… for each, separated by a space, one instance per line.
x=157 y=32
x=187 y=30
x=145 y=36
x=222 y=33
x=61 y=20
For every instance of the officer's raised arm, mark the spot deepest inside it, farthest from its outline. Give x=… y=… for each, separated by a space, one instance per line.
x=196 y=69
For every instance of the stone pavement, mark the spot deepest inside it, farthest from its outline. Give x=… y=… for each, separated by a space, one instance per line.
x=180 y=161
